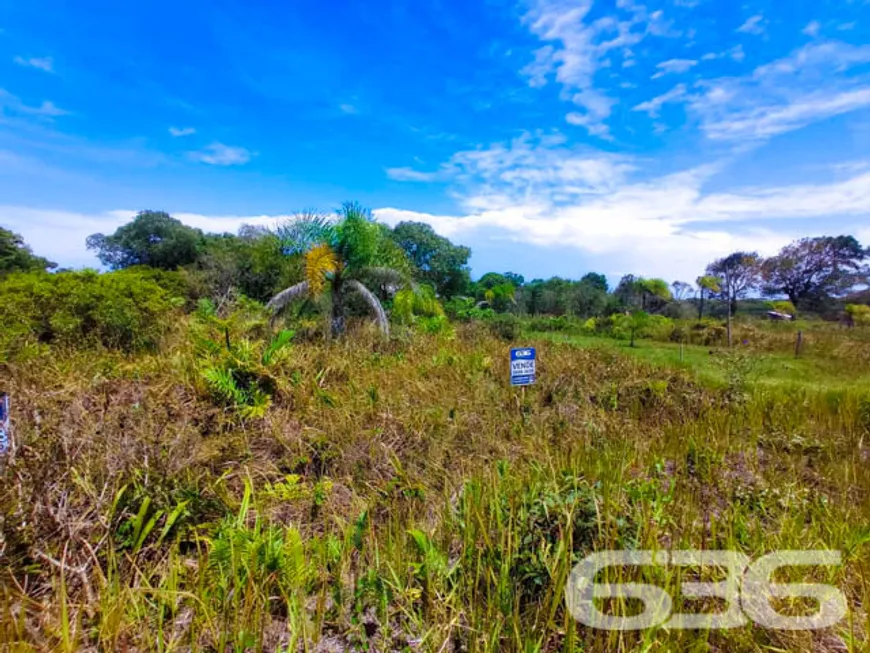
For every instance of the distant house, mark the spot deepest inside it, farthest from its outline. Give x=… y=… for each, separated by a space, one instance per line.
x=776 y=315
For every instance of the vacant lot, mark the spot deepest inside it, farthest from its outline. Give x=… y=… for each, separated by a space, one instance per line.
x=400 y=495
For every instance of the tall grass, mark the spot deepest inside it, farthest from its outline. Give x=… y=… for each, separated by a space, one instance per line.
x=401 y=496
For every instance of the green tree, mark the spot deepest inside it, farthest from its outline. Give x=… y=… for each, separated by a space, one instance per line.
x=654 y=293
x=627 y=292
x=16 y=255
x=590 y=295
x=153 y=238
x=681 y=290
x=812 y=270
x=739 y=273
x=496 y=291
x=340 y=259
x=252 y=262
x=595 y=280
x=708 y=286
x=634 y=323
x=438 y=261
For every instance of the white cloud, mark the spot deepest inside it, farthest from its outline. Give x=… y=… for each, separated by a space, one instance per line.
x=812 y=28
x=736 y=53
x=674 y=66
x=843 y=27
x=753 y=25
x=181 y=131
x=219 y=154
x=42 y=63
x=765 y=122
x=530 y=165
x=409 y=174
x=653 y=107
x=596 y=107
x=13 y=104
x=60 y=235
x=784 y=95
x=542 y=192
x=576 y=48
x=348 y=109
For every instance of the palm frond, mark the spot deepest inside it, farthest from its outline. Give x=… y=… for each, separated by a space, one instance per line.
x=303 y=231
x=319 y=262
x=384 y=276
x=374 y=304
x=287 y=295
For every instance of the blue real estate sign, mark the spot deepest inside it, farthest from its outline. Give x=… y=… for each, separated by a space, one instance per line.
x=4 y=422
x=523 y=366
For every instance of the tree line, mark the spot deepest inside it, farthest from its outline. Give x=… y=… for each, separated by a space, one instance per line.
x=358 y=264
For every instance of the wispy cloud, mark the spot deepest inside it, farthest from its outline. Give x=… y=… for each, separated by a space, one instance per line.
x=42 y=63
x=812 y=28
x=753 y=25
x=577 y=47
x=653 y=107
x=13 y=104
x=764 y=122
x=528 y=165
x=218 y=154
x=674 y=66
x=348 y=109
x=736 y=53
x=542 y=192
x=181 y=131
x=784 y=95
x=409 y=174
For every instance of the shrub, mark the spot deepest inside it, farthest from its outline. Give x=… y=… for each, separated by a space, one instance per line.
x=707 y=332
x=464 y=309
x=411 y=303
x=505 y=326
x=783 y=306
x=234 y=360
x=552 y=323
x=126 y=310
x=859 y=314
x=435 y=325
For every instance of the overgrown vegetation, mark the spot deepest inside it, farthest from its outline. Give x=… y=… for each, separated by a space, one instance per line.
x=191 y=472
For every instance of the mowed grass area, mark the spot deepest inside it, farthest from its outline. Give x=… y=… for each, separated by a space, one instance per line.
x=811 y=369
x=400 y=496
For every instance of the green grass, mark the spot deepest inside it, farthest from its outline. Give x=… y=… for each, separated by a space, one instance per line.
x=766 y=368
x=401 y=496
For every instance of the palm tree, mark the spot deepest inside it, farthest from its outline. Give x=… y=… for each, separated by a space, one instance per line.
x=709 y=285
x=340 y=257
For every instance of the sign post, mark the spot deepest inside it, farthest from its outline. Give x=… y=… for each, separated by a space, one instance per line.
x=4 y=427
x=523 y=366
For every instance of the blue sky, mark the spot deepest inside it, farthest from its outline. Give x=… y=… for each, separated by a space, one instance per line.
x=552 y=137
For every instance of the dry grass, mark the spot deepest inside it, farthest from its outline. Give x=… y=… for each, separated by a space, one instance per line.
x=400 y=496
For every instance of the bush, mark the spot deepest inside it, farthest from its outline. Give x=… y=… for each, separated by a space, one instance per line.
x=127 y=310
x=553 y=323
x=464 y=309
x=707 y=332
x=505 y=326
x=859 y=314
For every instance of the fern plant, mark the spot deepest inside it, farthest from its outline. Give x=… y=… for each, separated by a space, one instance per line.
x=238 y=371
